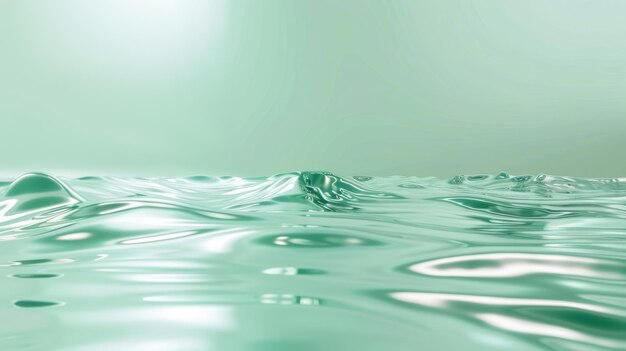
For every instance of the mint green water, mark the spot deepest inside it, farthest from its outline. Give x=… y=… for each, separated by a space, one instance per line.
x=313 y=261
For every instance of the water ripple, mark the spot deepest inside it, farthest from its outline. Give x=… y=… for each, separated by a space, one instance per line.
x=313 y=260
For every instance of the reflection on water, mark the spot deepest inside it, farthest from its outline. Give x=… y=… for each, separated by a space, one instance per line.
x=313 y=261
x=503 y=265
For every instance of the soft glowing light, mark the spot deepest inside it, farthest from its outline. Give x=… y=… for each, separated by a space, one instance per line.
x=129 y=35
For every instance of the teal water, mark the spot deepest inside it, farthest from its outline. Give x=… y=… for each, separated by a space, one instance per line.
x=313 y=261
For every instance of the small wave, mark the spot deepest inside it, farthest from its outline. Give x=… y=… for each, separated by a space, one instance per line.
x=333 y=193
x=540 y=184
x=37 y=191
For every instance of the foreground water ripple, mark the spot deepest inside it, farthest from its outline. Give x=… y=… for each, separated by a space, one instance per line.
x=313 y=261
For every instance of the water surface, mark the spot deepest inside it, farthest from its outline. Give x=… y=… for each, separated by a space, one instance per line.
x=313 y=261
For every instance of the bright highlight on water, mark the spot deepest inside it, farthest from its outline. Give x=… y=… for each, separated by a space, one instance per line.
x=313 y=261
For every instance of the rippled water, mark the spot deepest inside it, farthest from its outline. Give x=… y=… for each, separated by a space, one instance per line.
x=313 y=261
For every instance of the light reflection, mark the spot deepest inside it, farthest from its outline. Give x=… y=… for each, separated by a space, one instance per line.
x=281 y=271
x=191 y=316
x=230 y=299
x=510 y=265
x=438 y=300
x=74 y=236
x=222 y=241
x=8 y=237
x=141 y=221
x=155 y=238
x=281 y=240
x=292 y=271
x=289 y=299
x=165 y=278
x=9 y=204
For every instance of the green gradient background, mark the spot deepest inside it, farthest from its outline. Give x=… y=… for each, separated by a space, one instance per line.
x=357 y=87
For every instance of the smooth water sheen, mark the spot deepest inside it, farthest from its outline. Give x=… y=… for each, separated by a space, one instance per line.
x=312 y=261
